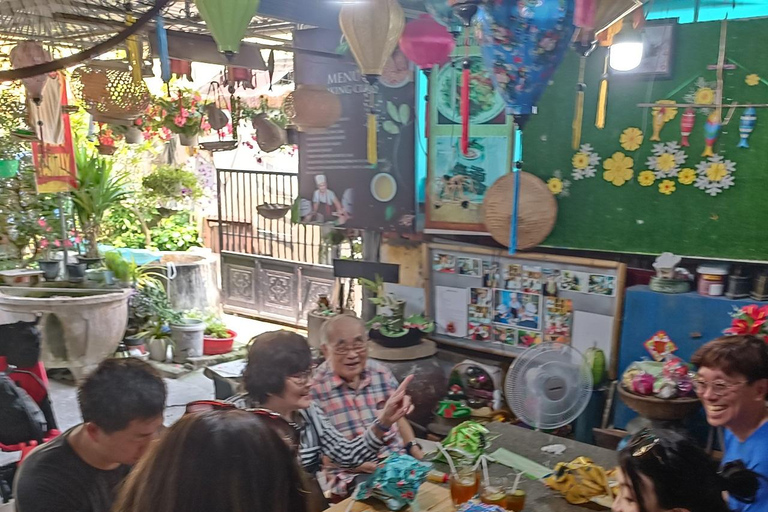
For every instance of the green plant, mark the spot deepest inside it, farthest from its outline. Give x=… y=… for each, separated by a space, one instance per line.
x=99 y=188
x=181 y=114
x=168 y=182
x=381 y=297
x=275 y=115
x=119 y=266
x=176 y=233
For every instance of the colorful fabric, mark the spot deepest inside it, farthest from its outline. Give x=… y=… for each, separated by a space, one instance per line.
x=396 y=481
x=352 y=411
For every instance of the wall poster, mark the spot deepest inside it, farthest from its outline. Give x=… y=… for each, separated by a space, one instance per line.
x=337 y=185
x=457 y=183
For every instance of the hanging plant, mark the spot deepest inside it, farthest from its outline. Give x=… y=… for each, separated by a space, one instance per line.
x=181 y=114
x=171 y=183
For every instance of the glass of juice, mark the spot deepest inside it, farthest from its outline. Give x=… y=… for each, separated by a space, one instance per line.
x=494 y=492
x=515 y=500
x=463 y=485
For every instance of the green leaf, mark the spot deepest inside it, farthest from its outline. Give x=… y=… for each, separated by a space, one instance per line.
x=405 y=113
x=390 y=127
x=393 y=113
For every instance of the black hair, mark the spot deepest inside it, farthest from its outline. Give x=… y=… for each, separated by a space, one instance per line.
x=683 y=475
x=273 y=357
x=120 y=391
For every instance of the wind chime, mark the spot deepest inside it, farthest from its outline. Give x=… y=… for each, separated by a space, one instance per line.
x=372 y=30
x=427 y=44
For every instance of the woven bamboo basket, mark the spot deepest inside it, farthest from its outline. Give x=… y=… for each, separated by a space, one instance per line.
x=109 y=94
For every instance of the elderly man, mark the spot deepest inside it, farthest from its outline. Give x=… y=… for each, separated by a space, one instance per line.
x=351 y=390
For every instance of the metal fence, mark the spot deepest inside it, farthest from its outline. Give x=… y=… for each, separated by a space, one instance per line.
x=243 y=230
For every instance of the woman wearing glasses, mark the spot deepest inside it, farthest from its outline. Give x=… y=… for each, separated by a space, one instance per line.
x=219 y=461
x=278 y=377
x=662 y=471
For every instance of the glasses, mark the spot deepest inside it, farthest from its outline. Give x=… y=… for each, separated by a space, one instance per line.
x=303 y=377
x=287 y=430
x=357 y=346
x=718 y=387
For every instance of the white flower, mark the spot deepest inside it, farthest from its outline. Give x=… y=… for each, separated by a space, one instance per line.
x=714 y=175
x=667 y=159
x=589 y=160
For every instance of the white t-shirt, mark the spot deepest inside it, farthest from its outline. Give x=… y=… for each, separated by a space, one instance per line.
x=327 y=197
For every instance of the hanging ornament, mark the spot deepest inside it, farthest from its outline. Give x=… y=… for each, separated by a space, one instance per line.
x=133 y=49
x=465 y=10
x=269 y=136
x=227 y=20
x=312 y=108
x=715 y=174
x=372 y=30
x=30 y=53
x=162 y=49
x=271 y=67
x=584 y=50
x=181 y=68
x=426 y=43
x=711 y=131
x=746 y=126
x=687 y=122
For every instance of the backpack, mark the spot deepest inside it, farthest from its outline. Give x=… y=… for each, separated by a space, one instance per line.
x=21 y=419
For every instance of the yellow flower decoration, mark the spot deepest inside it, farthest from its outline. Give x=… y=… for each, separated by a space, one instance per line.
x=580 y=161
x=618 y=169
x=646 y=178
x=704 y=96
x=666 y=162
x=631 y=139
x=686 y=176
x=752 y=80
x=666 y=187
x=716 y=171
x=669 y=112
x=555 y=185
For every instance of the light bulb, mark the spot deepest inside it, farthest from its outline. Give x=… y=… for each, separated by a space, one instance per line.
x=626 y=56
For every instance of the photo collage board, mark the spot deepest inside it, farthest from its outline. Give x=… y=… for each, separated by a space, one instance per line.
x=515 y=302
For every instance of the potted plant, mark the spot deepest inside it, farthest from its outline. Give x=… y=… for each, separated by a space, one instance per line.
x=169 y=184
x=99 y=188
x=187 y=334
x=107 y=138
x=156 y=338
x=181 y=115
x=322 y=312
x=118 y=267
x=217 y=338
x=50 y=266
x=390 y=328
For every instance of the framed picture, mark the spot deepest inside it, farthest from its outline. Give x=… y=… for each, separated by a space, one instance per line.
x=658 y=51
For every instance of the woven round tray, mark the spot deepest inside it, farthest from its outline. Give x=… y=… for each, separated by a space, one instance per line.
x=536 y=214
x=672 y=409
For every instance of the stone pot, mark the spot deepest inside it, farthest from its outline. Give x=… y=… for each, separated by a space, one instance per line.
x=188 y=339
x=50 y=269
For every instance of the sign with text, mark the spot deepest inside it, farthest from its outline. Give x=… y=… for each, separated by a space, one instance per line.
x=55 y=169
x=337 y=185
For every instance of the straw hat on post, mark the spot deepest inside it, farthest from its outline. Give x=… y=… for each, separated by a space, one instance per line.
x=536 y=216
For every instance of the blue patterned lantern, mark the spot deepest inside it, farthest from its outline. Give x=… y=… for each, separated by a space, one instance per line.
x=523 y=42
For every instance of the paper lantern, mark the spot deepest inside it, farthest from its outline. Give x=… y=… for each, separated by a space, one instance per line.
x=427 y=43
x=30 y=53
x=372 y=30
x=443 y=13
x=227 y=20
x=312 y=107
x=522 y=45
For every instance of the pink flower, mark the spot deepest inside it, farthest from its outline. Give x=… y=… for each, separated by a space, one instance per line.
x=44 y=243
x=205 y=126
x=165 y=133
x=163 y=113
x=56 y=243
x=139 y=121
x=41 y=223
x=67 y=243
x=179 y=121
x=78 y=239
x=184 y=112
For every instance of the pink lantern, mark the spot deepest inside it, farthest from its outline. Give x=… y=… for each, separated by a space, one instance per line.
x=584 y=14
x=30 y=53
x=427 y=43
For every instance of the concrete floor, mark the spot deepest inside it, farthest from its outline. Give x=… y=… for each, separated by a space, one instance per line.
x=189 y=387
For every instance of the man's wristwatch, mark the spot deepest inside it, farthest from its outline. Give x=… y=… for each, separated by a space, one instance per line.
x=409 y=446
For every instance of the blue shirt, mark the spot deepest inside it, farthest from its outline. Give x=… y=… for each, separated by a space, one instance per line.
x=754 y=453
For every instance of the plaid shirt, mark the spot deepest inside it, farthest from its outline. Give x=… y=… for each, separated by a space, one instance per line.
x=352 y=411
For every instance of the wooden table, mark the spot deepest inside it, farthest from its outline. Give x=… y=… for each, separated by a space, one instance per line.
x=437 y=498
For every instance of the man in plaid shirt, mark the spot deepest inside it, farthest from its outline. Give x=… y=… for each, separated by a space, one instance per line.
x=351 y=390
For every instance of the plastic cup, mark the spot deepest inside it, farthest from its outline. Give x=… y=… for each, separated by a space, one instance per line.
x=464 y=485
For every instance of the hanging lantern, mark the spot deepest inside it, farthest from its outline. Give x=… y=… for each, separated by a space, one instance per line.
x=372 y=30
x=269 y=136
x=30 y=53
x=427 y=43
x=227 y=20
x=312 y=108
x=443 y=13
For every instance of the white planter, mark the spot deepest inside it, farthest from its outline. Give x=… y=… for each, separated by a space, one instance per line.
x=188 y=339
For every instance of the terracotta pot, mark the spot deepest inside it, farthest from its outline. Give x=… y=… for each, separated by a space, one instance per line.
x=312 y=107
x=105 y=150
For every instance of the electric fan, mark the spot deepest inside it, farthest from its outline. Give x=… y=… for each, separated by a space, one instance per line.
x=548 y=385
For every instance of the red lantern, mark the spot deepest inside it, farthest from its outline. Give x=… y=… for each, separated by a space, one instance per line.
x=427 y=43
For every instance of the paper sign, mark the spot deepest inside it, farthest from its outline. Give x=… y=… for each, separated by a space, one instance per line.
x=451 y=311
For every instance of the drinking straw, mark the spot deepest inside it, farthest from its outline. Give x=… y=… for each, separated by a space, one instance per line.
x=448 y=459
x=486 y=477
x=517 y=482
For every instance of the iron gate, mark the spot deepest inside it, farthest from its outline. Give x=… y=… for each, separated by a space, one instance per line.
x=270 y=267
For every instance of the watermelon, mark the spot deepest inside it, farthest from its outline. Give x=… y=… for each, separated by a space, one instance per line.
x=596 y=361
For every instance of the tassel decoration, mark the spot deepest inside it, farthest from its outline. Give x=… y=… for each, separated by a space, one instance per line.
x=162 y=49
x=134 y=52
x=578 y=114
x=465 y=108
x=373 y=156
x=602 y=98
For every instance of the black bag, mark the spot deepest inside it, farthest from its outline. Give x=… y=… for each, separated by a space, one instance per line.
x=21 y=419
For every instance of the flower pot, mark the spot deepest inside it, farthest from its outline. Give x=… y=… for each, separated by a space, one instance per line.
x=88 y=262
x=187 y=337
x=215 y=346
x=188 y=140
x=50 y=269
x=76 y=272
x=94 y=275
x=134 y=136
x=158 y=349
x=9 y=168
x=105 y=150
x=109 y=277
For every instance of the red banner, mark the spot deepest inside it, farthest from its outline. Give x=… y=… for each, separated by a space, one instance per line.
x=55 y=163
